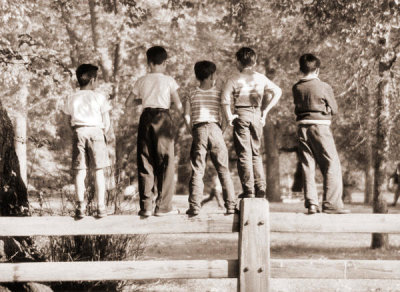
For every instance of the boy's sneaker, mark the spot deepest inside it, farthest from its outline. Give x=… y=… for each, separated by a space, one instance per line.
x=144 y=213
x=161 y=214
x=232 y=211
x=80 y=211
x=101 y=212
x=193 y=212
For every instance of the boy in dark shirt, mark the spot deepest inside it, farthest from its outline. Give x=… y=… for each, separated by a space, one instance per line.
x=314 y=106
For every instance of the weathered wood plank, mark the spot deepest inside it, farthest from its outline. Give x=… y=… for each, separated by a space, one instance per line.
x=207 y=223
x=114 y=270
x=254 y=250
x=121 y=224
x=335 y=269
x=315 y=269
x=369 y=269
x=196 y=269
x=344 y=223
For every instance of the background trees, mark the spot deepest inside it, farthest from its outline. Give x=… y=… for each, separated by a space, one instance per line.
x=43 y=42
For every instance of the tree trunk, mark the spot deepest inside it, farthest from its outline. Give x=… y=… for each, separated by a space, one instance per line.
x=369 y=181
x=369 y=165
x=381 y=155
x=106 y=68
x=272 y=165
x=14 y=202
x=20 y=132
x=72 y=36
x=13 y=191
x=102 y=51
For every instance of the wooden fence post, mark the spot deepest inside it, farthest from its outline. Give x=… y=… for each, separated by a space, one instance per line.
x=254 y=246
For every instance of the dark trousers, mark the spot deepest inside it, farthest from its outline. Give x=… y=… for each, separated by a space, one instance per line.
x=155 y=159
x=208 y=136
x=247 y=134
x=316 y=146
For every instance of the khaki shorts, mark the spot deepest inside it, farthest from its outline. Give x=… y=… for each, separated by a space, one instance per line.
x=89 y=149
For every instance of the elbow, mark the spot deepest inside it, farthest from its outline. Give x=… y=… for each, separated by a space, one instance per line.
x=278 y=93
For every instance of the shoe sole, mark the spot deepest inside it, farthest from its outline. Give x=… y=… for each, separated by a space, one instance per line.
x=167 y=214
x=145 y=214
x=335 y=212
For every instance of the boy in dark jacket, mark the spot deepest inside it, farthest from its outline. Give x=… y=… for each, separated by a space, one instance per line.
x=314 y=106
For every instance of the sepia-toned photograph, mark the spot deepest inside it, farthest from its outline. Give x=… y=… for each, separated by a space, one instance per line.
x=199 y=146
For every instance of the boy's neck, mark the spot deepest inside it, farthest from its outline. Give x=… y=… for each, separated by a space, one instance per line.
x=311 y=75
x=86 y=87
x=206 y=84
x=159 y=68
x=246 y=69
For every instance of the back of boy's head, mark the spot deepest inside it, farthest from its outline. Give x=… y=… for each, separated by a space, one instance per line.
x=156 y=55
x=204 y=69
x=309 y=63
x=85 y=73
x=246 y=56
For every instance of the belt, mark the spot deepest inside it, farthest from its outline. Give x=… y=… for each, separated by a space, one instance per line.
x=247 y=106
x=203 y=123
x=83 y=126
x=155 y=109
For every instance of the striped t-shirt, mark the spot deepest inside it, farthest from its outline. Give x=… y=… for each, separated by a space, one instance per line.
x=205 y=105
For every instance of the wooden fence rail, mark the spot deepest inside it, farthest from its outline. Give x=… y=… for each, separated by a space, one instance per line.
x=211 y=223
x=195 y=269
x=254 y=268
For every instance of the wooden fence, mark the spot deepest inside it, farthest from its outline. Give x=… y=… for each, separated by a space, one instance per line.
x=253 y=269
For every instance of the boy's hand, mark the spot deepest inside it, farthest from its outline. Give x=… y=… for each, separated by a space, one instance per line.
x=186 y=119
x=263 y=120
x=232 y=118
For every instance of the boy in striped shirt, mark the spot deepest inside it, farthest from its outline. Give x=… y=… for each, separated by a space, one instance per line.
x=204 y=106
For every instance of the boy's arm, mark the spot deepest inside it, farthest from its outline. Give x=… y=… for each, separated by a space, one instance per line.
x=331 y=101
x=226 y=102
x=134 y=97
x=106 y=121
x=187 y=113
x=228 y=114
x=67 y=119
x=133 y=100
x=178 y=105
x=272 y=94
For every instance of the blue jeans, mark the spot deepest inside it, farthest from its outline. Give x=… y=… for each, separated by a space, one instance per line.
x=247 y=134
x=316 y=146
x=208 y=136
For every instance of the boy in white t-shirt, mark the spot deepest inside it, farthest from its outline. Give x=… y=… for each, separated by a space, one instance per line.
x=155 y=142
x=253 y=95
x=89 y=113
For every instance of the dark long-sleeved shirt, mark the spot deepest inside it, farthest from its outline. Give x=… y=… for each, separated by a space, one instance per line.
x=314 y=101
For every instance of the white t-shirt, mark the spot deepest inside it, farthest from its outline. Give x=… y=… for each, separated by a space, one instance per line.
x=154 y=89
x=247 y=88
x=86 y=108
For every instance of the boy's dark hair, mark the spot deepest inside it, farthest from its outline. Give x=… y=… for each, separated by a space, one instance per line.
x=156 y=55
x=246 y=57
x=204 y=69
x=309 y=63
x=85 y=73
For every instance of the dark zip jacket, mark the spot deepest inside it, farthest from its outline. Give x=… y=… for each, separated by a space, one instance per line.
x=314 y=100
